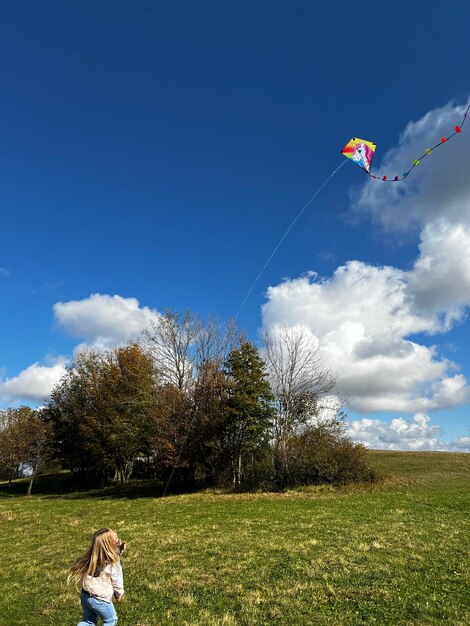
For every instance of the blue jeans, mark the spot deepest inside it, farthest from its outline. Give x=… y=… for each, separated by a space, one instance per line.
x=94 y=608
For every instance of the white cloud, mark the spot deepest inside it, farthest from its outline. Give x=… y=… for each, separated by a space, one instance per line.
x=440 y=280
x=104 y=320
x=361 y=318
x=401 y=434
x=4 y=271
x=461 y=444
x=34 y=383
x=438 y=187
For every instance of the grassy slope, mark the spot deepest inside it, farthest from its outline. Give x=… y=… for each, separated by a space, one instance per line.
x=394 y=553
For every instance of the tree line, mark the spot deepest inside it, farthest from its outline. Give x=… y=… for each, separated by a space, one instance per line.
x=193 y=400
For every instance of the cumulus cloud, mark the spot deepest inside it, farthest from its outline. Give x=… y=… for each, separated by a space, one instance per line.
x=440 y=280
x=103 y=320
x=461 y=444
x=439 y=187
x=417 y=433
x=361 y=317
x=34 y=383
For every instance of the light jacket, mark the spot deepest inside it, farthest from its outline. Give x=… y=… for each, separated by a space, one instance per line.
x=105 y=583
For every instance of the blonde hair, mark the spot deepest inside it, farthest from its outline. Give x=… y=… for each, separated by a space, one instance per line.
x=102 y=551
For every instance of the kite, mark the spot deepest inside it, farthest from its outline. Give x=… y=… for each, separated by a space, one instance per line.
x=361 y=152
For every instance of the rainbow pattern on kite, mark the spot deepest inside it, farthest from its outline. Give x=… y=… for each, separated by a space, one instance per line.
x=362 y=151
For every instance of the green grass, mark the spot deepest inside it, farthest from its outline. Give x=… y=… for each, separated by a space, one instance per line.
x=389 y=553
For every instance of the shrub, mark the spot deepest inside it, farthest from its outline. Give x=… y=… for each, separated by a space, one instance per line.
x=323 y=454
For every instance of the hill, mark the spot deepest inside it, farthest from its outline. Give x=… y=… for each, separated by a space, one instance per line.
x=395 y=552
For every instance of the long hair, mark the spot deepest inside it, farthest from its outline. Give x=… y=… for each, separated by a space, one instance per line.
x=102 y=551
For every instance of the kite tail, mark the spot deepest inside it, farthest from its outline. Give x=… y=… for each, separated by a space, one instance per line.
x=285 y=235
x=457 y=130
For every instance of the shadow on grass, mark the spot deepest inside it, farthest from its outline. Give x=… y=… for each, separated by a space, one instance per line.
x=61 y=486
x=391 y=469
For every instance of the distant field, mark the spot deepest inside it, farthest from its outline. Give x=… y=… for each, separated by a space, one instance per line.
x=392 y=553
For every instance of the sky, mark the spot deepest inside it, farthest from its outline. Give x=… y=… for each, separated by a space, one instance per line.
x=152 y=156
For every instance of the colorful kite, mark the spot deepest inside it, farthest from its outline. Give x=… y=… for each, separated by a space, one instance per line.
x=362 y=152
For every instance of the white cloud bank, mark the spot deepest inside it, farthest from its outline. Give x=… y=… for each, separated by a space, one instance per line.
x=366 y=317
x=401 y=434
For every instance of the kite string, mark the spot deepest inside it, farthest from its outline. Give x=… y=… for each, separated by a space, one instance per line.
x=246 y=298
x=285 y=235
x=243 y=304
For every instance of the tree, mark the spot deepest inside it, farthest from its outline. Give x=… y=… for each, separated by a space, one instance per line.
x=12 y=444
x=205 y=443
x=37 y=440
x=171 y=340
x=298 y=381
x=182 y=344
x=103 y=412
x=249 y=409
x=9 y=462
x=214 y=340
x=189 y=353
x=73 y=417
x=126 y=401
x=170 y=429
x=24 y=444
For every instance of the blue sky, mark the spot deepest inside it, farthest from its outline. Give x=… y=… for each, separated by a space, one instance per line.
x=158 y=152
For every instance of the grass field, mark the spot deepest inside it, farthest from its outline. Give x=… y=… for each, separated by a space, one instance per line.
x=391 y=553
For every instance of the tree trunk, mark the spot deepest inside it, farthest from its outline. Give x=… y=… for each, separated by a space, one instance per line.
x=30 y=484
x=123 y=472
x=282 y=469
x=236 y=471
